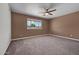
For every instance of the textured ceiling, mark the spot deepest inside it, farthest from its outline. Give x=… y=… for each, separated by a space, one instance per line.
x=36 y=9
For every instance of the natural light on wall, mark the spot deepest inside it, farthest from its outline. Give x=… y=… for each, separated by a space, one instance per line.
x=34 y=24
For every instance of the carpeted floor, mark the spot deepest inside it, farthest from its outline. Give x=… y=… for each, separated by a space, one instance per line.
x=45 y=45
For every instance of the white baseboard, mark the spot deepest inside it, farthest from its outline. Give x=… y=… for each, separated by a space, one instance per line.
x=45 y=35
x=65 y=37
x=29 y=37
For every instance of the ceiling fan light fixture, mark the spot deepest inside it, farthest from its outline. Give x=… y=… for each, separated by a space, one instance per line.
x=48 y=12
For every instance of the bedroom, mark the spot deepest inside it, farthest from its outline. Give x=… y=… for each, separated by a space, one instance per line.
x=39 y=29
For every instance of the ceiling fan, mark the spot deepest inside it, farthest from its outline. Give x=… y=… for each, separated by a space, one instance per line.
x=48 y=11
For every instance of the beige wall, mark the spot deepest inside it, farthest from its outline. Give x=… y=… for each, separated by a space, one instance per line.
x=67 y=25
x=5 y=27
x=20 y=30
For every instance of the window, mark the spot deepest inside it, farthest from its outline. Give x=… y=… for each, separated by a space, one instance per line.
x=34 y=24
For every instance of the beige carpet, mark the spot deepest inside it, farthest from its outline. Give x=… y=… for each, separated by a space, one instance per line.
x=45 y=45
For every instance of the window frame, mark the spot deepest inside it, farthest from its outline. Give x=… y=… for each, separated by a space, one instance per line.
x=34 y=20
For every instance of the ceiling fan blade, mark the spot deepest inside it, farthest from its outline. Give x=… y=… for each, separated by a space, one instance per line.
x=50 y=13
x=46 y=9
x=52 y=10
